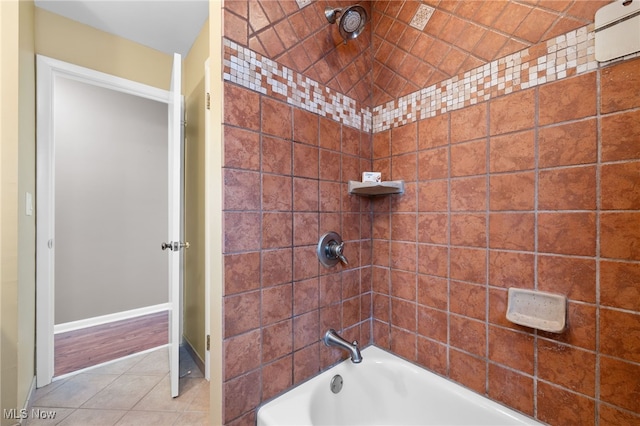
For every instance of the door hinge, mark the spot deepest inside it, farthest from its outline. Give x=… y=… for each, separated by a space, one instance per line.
x=208 y=101
x=208 y=342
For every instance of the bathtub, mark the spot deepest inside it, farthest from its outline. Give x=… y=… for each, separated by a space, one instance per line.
x=384 y=390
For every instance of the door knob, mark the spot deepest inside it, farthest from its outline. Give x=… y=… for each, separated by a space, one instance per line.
x=175 y=245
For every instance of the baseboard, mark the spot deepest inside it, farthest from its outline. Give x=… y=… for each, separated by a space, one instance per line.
x=103 y=319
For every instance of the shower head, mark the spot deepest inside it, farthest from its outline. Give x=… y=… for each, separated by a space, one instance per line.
x=351 y=20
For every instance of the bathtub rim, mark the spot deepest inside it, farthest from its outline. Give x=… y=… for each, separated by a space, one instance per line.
x=372 y=349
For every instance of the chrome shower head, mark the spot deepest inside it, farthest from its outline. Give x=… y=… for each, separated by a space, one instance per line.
x=351 y=20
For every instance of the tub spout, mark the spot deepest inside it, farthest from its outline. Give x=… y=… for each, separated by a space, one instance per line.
x=331 y=338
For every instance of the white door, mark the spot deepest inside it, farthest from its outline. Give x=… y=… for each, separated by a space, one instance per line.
x=175 y=244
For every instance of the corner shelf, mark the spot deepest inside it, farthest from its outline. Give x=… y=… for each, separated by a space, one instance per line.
x=376 y=188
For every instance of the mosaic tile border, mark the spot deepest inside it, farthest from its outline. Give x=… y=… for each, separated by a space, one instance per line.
x=253 y=71
x=570 y=54
x=567 y=55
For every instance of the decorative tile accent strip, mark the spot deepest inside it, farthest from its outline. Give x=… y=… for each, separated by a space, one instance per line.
x=565 y=56
x=422 y=16
x=253 y=71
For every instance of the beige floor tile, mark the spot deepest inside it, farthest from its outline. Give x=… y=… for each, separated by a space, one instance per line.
x=154 y=363
x=138 y=384
x=159 y=398
x=40 y=392
x=75 y=391
x=193 y=418
x=120 y=366
x=123 y=393
x=191 y=388
x=90 y=417
x=48 y=415
x=200 y=401
x=148 y=418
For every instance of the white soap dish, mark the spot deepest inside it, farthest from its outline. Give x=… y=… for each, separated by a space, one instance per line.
x=537 y=309
x=376 y=188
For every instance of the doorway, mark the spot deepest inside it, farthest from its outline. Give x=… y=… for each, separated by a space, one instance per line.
x=110 y=209
x=103 y=202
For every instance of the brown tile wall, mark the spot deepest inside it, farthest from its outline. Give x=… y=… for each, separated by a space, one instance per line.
x=535 y=189
x=538 y=189
x=285 y=184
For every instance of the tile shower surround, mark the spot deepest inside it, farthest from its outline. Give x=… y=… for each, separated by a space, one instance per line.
x=277 y=297
x=534 y=189
x=532 y=186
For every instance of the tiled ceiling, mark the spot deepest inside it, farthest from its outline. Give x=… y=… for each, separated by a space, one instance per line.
x=392 y=58
x=302 y=39
x=461 y=35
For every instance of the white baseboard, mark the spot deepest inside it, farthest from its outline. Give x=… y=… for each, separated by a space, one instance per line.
x=103 y=319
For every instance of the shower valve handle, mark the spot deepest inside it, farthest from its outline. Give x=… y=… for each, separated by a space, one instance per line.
x=336 y=250
x=330 y=250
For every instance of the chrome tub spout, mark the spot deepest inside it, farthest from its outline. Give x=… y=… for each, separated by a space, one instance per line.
x=331 y=338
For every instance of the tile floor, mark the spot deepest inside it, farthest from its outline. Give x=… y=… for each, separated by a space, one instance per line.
x=132 y=391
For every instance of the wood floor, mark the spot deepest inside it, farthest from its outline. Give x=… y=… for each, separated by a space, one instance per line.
x=75 y=350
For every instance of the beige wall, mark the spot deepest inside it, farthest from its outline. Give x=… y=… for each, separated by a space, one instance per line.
x=70 y=41
x=26 y=183
x=97 y=210
x=17 y=176
x=193 y=89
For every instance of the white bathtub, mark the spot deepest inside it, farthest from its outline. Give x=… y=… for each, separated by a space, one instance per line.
x=384 y=390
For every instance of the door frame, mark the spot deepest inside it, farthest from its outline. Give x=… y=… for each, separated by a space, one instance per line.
x=207 y=230
x=47 y=70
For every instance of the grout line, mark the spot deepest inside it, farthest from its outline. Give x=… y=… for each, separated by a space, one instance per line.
x=487 y=215
x=536 y=238
x=448 y=245
x=598 y=235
